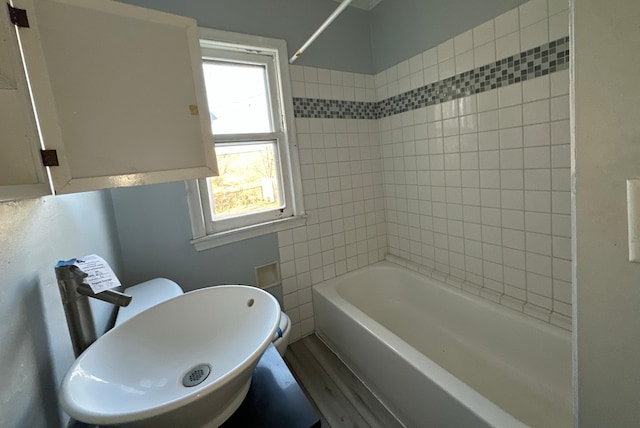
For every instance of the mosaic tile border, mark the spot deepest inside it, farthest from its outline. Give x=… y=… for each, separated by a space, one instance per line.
x=536 y=62
x=334 y=109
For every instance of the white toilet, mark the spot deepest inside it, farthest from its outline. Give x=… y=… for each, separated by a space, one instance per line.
x=155 y=291
x=281 y=338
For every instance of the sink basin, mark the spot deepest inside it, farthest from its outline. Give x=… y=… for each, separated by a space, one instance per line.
x=135 y=375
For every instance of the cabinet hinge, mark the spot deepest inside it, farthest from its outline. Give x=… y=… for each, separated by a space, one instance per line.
x=49 y=158
x=18 y=17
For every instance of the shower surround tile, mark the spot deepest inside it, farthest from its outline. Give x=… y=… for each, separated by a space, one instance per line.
x=464 y=177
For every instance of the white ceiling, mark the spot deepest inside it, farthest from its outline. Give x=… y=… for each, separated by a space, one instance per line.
x=363 y=4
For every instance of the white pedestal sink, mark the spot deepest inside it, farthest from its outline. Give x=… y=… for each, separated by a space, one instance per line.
x=133 y=375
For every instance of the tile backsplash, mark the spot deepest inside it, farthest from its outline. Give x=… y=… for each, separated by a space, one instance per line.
x=455 y=163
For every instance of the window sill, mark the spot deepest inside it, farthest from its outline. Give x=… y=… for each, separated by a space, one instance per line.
x=235 y=235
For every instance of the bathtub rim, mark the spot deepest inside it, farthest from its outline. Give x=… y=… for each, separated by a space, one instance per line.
x=465 y=395
x=511 y=313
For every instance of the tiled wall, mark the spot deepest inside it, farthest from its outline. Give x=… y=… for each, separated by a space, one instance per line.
x=477 y=188
x=468 y=166
x=341 y=169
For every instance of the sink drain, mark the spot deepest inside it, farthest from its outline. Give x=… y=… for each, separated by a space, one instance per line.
x=196 y=375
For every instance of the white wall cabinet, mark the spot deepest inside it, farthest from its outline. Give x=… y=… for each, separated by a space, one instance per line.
x=118 y=93
x=21 y=171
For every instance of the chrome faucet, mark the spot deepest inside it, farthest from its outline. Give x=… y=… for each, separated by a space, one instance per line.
x=75 y=295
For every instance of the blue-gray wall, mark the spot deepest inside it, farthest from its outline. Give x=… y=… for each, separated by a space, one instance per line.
x=358 y=41
x=344 y=46
x=401 y=29
x=155 y=230
x=35 y=349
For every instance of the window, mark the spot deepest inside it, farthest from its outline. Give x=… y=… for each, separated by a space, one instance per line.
x=258 y=190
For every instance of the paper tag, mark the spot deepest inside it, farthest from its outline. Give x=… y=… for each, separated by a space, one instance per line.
x=101 y=276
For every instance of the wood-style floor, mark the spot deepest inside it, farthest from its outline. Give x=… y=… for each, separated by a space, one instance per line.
x=338 y=395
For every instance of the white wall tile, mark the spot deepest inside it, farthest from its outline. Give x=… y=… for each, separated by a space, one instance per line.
x=392 y=74
x=507 y=45
x=484 y=54
x=297 y=73
x=556 y=6
x=489 y=159
x=311 y=90
x=403 y=69
x=511 y=116
x=559 y=25
x=562 y=248
x=430 y=57
x=561 y=202
x=537 y=179
x=298 y=89
x=310 y=74
x=490 y=179
x=324 y=76
x=541 y=265
x=324 y=91
x=511 y=138
x=510 y=95
x=463 y=42
x=483 y=33
x=446 y=68
x=534 y=35
x=467 y=105
x=511 y=179
x=539 y=222
x=488 y=140
x=415 y=64
x=507 y=23
x=488 y=120
x=561 y=156
x=487 y=100
x=513 y=199
x=511 y=159
x=431 y=74
x=560 y=132
x=404 y=84
x=445 y=50
x=561 y=225
x=559 y=107
x=561 y=179
x=537 y=135
x=532 y=12
x=536 y=112
x=537 y=157
x=559 y=83
x=536 y=89
x=513 y=239
x=464 y=62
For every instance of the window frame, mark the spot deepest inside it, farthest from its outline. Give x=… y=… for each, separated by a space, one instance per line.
x=209 y=232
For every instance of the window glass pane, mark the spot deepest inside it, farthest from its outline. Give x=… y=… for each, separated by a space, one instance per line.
x=238 y=97
x=248 y=180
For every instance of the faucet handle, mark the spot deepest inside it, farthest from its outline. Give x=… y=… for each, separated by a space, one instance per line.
x=110 y=296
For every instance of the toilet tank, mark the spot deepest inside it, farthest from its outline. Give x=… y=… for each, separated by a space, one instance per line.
x=147 y=294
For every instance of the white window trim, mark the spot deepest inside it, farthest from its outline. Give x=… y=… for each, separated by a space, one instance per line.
x=202 y=239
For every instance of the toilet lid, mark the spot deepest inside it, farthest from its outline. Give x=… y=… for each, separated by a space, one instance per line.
x=146 y=295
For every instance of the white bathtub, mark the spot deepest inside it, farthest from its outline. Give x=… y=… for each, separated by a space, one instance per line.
x=437 y=356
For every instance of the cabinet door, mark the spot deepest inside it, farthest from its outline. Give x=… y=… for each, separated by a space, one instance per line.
x=119 y=93
x=21 y=172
